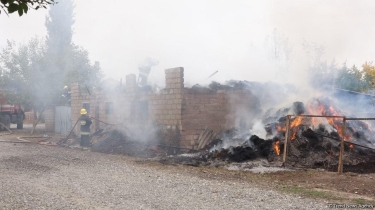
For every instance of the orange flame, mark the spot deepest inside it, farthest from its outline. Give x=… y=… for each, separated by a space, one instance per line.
x=276 y=147
x=280 y=128
x=317 y=108
x=294 y=135
x=296 y=122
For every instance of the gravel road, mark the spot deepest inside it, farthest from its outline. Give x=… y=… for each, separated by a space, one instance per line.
x=45 y=177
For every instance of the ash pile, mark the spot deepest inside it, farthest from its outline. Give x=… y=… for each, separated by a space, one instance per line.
x=112 y=140
x=230 y=150
x=132 y=140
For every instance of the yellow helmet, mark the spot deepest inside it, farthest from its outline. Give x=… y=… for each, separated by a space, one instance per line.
x=83 y=111
x=65 y=87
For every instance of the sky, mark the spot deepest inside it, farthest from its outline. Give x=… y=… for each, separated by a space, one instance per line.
x=210 y=35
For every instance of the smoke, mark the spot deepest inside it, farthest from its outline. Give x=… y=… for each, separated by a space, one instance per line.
x=258 y=129
x=145 y=132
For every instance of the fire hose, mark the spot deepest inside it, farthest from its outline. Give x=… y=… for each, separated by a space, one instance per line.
x=106 y=122
x=22 y=140
x=43 y=138
x=63 y=141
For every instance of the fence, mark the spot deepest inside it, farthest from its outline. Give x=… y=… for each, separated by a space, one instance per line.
x=331 y=150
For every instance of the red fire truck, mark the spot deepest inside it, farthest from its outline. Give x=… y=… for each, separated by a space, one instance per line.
x=10 y=113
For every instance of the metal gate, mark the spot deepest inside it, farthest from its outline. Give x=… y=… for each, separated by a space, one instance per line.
x=63 y=121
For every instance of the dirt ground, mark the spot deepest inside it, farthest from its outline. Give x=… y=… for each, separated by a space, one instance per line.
x=356 y=188
x=318 y=184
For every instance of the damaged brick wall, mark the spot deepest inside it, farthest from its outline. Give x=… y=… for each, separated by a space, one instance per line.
x=175 y=107
x=49 y=118
x=77 y=100
x=217 y=110
x=166 y=106
x=130 y=106
x=199 y=111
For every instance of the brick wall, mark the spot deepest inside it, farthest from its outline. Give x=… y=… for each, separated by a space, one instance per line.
x=29 y=116
x=164 y=107
x=218 y=110
x=184 y=110
x=49 y=117
x=76 y=103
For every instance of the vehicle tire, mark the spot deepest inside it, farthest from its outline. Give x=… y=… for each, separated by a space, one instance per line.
x=20 y=121
x=20 y=125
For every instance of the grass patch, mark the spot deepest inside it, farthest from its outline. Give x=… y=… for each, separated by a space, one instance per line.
x=363 y=201
x=310 y=193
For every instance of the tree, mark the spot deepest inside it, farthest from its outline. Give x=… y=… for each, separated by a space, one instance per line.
x=25 y=78
x=65 y=58
x=79 y=68
x=321 y=73
x=279 y=50
x=59 y=25
x=35 y=73
x=352 y=79
x=22 y=6
x=369 y=73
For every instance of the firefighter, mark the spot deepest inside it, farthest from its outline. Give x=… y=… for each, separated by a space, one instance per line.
x=66 y=92
x=85 y=128
x=144 y=69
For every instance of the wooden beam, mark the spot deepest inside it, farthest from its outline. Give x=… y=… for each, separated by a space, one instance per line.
x=287 y=125
x=341 y=155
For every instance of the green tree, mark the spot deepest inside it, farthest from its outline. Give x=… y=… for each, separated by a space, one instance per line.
x=369 y=73
x=25 y=78
x=80 y=70
x=22 y=6
x=352 y=79
x=59 y=25
x=63 y=57
x=35 y=73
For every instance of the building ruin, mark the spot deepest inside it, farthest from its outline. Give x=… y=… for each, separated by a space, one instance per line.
x=188 y=111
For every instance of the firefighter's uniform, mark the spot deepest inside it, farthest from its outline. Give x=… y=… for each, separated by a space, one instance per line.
x=85 y=122
x=143 y=75
x=144 y=70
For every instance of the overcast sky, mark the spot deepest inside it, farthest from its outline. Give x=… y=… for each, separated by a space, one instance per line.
x=208 y=36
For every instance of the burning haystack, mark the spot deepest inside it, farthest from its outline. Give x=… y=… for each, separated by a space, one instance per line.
x=314 y=142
